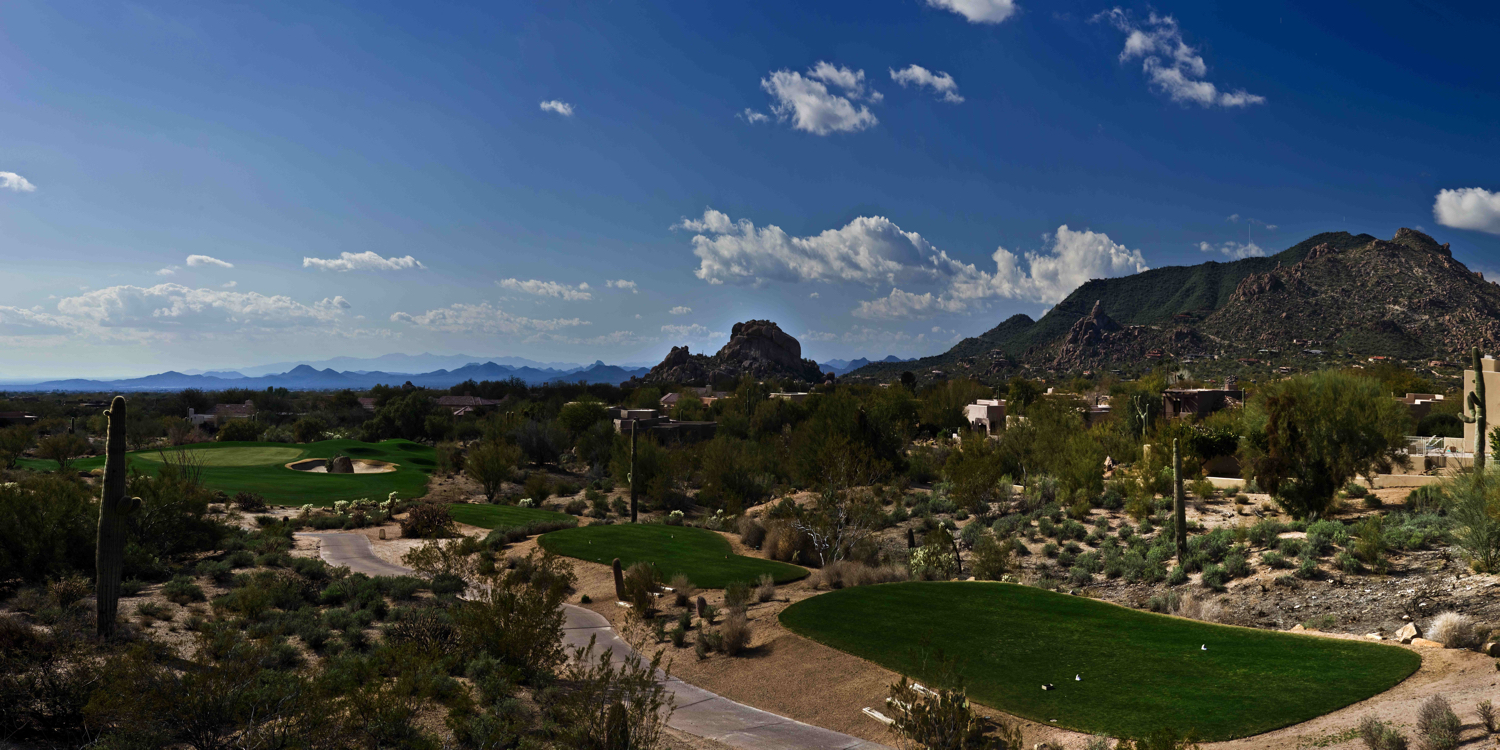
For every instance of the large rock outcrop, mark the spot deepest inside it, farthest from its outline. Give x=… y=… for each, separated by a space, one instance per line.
x=758 y=348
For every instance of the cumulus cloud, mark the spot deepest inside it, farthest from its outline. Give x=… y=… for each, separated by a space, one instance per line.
x=978 y=11
x=1468 y=208
x=195 y=261
x=680 y=310
x=1236 y=218
x=16 y=183
x=482 y=318
x=691 y=331
x=174 y=307
x=1234 y=250
x=622 y=284
x=547 y=289
x=873 y=250
x=365 y=261
x=753 y=117
x=1173 y=67
x=167 y=271
x=18 y=321
x=940 y=83
x=563 y=108
x=812 y=107
x=336 y=303
x=814 y=295
x=868 y=250
x=230 y=284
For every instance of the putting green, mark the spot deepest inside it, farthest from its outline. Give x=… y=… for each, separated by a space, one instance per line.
x=229 y=456
x=701 y=555
x=1140 y=672
x=261 y=468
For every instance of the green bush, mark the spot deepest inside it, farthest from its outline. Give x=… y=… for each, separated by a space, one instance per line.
x=182 y=590
x=1308 y=570
x=1215 y=576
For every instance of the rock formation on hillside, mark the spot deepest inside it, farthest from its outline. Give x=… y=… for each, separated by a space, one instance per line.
x=756 y=347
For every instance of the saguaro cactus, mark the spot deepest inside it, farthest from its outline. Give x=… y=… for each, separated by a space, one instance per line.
x=109 y=552
x=1179 y=504
x=1475 y=413
x=619 y=580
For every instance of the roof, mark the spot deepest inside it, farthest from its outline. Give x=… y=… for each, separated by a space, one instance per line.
x=246 y=409
x=470 y=401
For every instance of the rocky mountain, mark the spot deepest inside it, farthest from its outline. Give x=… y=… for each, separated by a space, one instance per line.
x=308 y=378
x=756 y=347
x=1336 y=294
x=840 y=366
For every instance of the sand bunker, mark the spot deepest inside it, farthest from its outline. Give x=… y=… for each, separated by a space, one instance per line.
x=361 y=466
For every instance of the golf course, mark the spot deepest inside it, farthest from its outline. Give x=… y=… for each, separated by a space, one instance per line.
x=496 y=516
x=261 y=468
x=1113 y=670
x=701 y=555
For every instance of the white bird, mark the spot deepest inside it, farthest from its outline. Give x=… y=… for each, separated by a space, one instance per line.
x=1078 y=677
x=1205 y=647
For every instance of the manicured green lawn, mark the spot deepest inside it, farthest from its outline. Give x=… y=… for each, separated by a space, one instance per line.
x=492 y=516
x=1141 y=671
x=261 y=468
x=703 y=556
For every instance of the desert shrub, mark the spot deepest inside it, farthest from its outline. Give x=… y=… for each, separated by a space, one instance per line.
x=1369 y=544
x=1378 y=735
x=1456 y=630
x=491 y=464
x=1177 y=576
x=842 y=573
x=765 y=589
x=1080 y=576
x=1437 y=725
x=182 y=590
x=538 y=487
x=1429 y=498
x=1355 y=490
x=678 y=636
x=991 y=558
x=1264 y=533
x=565 y=488
x=1274 y=559
x=642 y=580
x=1292 y=546
x=737 y=596
x=575 y=507
x=785 y=543
x=683 y=590
x=1049 y=549
x=428 y=520
x=1308 y=569
x=248 y=502
x=247 y=430
x=734 y=634
x=1202 y=488
x=945 y=719
x=1486 y=711
x=1236 y=565
x=148 y=611
x=503 y=535
x=1214 y=576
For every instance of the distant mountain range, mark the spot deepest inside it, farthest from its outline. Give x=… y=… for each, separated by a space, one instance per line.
x=412 y=363
x=843 y=366
x=1332 y=294
x=305 y=377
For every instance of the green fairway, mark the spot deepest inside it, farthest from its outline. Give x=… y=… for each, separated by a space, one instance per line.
x=261 y=468
x=703 y=556
x=493 y=516
x=1140 y=671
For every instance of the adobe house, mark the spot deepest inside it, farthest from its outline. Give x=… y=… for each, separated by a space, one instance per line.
x=986 y=414
x=1492 y=399
x=1201 y=402
x=222 y=413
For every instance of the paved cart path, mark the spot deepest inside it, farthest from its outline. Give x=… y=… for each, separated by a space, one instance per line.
x=698 y=711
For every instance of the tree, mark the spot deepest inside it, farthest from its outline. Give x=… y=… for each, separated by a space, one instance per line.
x=63 y=449
x=540 y=442
x=246 y=430
x=578 y=416
x=1476 y=510
x=309 y=429
x=1307 y=436
x=14 y=441
x=492 y=464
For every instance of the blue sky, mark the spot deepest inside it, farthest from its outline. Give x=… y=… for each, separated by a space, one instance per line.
x=369 y=178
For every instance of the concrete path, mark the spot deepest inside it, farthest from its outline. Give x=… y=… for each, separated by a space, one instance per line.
x=698 y=712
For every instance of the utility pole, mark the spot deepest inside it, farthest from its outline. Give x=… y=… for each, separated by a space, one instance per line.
x=1179 y=504
x=633 y=493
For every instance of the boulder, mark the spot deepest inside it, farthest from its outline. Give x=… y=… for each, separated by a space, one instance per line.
x=1424 y=643
x=341 y=465
x=756 y=347
x=1408 y=632
x=1491 y=648
x=1298 y=628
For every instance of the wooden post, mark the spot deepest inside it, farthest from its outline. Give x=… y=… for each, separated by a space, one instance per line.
x=1179 y=504
x=633 y=493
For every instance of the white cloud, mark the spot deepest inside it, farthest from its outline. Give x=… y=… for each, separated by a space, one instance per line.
x=1074 y=258
x=230 y=284
x=174 y=307
x=680 y=310
x=482 y=318
x=1234 y=250
x=563 y=108
x=16 y=183
x=820 y=336
x=365 y=261
x=874 y=250
x=753 y=117
x=18 y=321
x=814 y=295
x=978 y=11
x=622 y=284
x=1172 y=66
x=337 y=303
x=940 y=83
x=168 y=271
x=691 y=331
x=1235 y=219
x=547 y=289
x=807 y=101
x=1468 y=208
x=868 y=250
x=195 y=261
